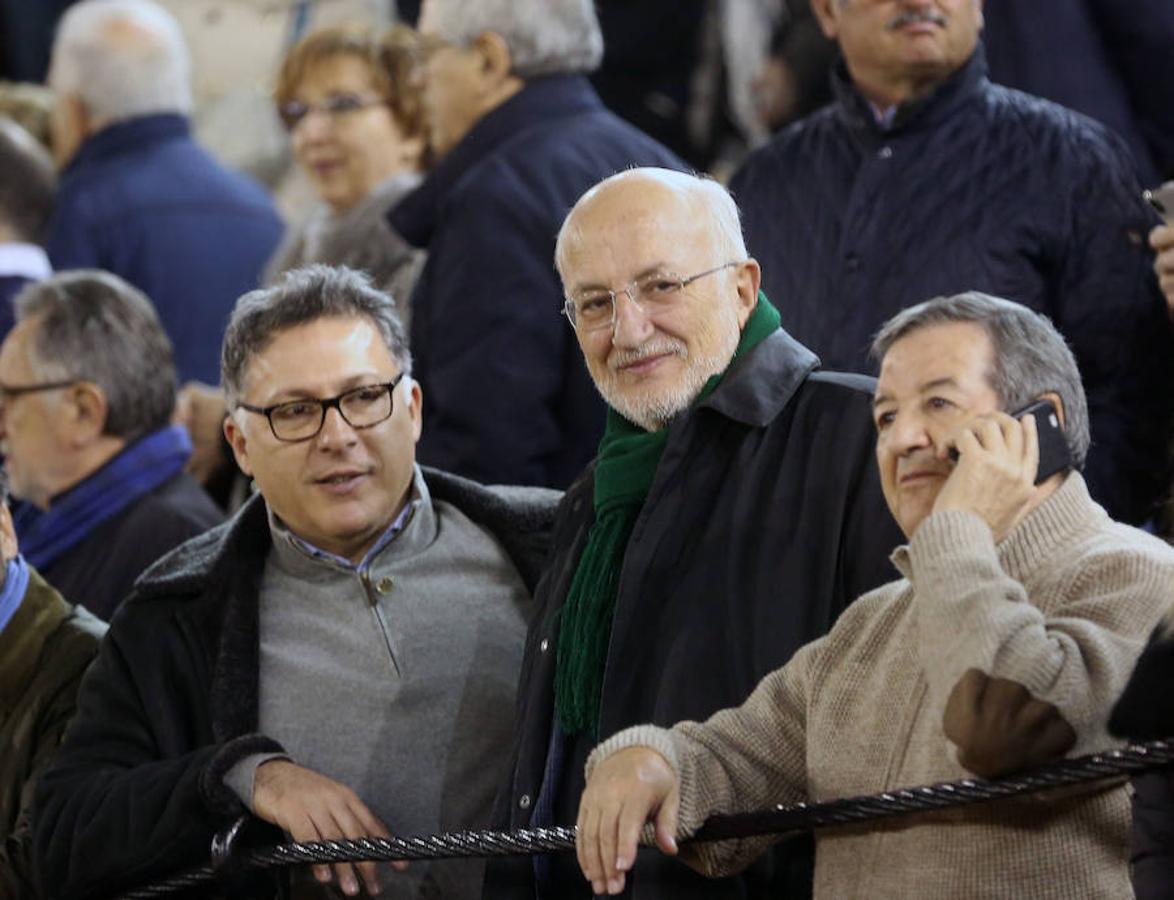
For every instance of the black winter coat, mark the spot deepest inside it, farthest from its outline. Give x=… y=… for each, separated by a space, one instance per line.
x=170 y=704
x=509 y=399
x=764 y=521
x=976 y=187
x=100 y=570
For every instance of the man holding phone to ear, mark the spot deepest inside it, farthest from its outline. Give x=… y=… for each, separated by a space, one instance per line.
x=1021 y=613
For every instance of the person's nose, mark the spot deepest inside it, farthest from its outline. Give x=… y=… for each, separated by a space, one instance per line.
x=632 y=325
x=908 y=433
x=336 y=432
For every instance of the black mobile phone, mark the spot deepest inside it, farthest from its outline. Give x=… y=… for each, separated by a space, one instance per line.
x=1054 y=455
x=1162 y=200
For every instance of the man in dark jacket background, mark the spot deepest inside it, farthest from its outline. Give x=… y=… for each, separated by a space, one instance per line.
x=340 y=659
x=732 y=513
x=924 y=179
x=521 y=134
x=46 y=645
x=138 y=196
x=87 y=381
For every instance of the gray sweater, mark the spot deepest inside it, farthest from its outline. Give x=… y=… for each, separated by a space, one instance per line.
x=397 y=678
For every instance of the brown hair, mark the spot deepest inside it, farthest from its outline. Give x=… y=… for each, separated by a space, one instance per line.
x=391 y=55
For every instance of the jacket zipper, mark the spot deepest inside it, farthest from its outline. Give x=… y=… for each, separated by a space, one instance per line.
x=373 y=602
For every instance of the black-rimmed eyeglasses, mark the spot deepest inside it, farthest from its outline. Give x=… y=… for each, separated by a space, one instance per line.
x=300 y=420
x=8 y=391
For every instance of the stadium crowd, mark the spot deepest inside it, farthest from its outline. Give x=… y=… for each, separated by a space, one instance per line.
x=648 y=411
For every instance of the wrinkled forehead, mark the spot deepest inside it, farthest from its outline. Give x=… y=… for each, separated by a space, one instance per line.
x=640 y=224
x=957 y=351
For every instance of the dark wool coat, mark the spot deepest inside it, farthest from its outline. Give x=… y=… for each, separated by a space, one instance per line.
x=764 y=521
x=137 y=791
x=976 y=187
x=100 y=570
x=1112 y=60
x=509 y=400
x=143 y=200
x=1145 y=712
x=45 y=649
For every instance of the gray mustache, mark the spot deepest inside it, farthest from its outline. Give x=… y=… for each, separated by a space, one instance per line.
x=911 y=16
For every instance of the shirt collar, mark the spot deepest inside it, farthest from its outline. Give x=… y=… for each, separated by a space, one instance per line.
x=284 y=538
x=24 y=261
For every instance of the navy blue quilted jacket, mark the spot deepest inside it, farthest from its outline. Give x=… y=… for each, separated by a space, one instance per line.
x=974 y=187
x=507 y=399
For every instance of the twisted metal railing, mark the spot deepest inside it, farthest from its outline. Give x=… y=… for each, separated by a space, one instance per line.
x=779 y=820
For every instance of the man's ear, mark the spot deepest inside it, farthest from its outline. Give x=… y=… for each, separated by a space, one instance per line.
x=496 y=62
x=85 y=411
x=827 y=14
x=235 y=435
x=8 y=545
x=749 y=279
x=415 y=398
x=1054 y=398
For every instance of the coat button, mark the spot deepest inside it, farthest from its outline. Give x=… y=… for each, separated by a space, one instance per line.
x=544 y=646
x=885 y=152
x=524 y=801
x=576 y=504
x=852 y=262
x=385 y=585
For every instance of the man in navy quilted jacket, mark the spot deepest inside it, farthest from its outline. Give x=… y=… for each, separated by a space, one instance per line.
x=923 y=178
x=138 y=196
x=521 y=134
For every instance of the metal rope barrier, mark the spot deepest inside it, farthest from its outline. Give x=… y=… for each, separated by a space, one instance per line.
x=779 y=820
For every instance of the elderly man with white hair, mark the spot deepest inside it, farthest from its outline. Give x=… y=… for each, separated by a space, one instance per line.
x=521 y=134
x=138 y=197
x=730 y=515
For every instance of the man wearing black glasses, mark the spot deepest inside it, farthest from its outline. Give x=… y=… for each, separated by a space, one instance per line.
x=87 y=390
x=340 y=659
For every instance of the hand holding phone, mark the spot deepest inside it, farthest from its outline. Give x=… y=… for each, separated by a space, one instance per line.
x=1162 y=200
x=1000 y=460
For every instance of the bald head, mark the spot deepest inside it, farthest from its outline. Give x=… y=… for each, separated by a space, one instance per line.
x=652 y=192
x=659 y=287
x=121 y=59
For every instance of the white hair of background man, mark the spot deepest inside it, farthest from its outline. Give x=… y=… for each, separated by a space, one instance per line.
x=123 y=59
x=545 y=37
x=709 y=201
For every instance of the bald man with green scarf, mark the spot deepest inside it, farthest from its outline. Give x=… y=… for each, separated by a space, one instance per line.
x=732 y=512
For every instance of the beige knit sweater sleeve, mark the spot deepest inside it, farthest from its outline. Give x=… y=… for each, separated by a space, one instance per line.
x=1069 y=630
x=748 y=757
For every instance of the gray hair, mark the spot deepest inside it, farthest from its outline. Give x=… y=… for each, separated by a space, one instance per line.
x=544 y=37
x=123 y=58
x=93 y=326
x=1030 y=355
x=301 y=296
x=709 y=201
x=28 y=183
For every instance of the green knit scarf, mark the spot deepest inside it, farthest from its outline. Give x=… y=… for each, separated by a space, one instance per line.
x=624 y=469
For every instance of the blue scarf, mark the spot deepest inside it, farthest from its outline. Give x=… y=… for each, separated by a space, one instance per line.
x=16 y=580
x=138 y=469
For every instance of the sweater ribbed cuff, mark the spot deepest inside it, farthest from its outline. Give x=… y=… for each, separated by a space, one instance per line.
x=650 y=736
x=938 y=540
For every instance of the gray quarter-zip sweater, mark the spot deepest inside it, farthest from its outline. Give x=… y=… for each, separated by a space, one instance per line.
x=396 y=677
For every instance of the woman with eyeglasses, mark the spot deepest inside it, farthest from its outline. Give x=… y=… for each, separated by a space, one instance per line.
x=348 y=99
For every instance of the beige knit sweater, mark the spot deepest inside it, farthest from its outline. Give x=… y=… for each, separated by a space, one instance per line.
x=1063 y=606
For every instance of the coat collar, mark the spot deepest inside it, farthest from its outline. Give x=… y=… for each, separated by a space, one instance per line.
x=537 y=104
x=941 y=102
x=758 y=386
x=133 y=134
